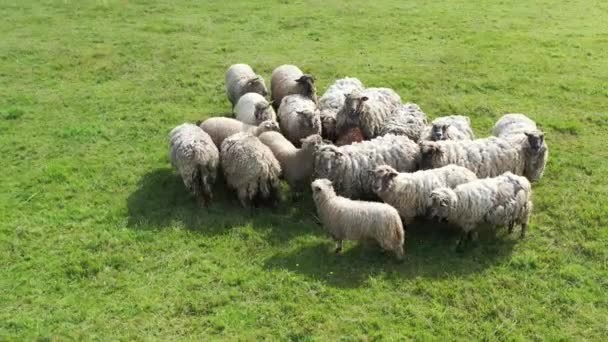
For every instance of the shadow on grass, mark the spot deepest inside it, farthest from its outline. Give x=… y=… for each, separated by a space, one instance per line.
x=161 y=201
x=429 y=253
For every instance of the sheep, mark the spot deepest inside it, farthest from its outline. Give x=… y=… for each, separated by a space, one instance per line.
x=410 y=193
x=453 y=127
x=346 y=219
x=297 y=164
x=289 y=80
x=196 y=159
x=299 y=118
x=252 y=109
x=351 y=135
x=250 y=168
x=220 y=128
x=240 y=79
x=347 y=166
x=333 y=98
x=328 y=125
x=488 y=157
x=503 y=200
x=522 y=132
x=368 y=109
x=407 y=119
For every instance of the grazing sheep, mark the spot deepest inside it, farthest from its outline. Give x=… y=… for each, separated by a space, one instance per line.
x=333 y=98
x=503 y=200
x=346 y=219
x=220 y=128
x=195 y=158
x=328 y=125
x=240 y=79
x=252 y=109
x=347 y=166
x=250 y=168
x=299 y=118
x=488 y=157
x=408 y=120
x=351 y=135
x=511 y=124
x=410 y=193
x=297 y=164
x=368 y=109
x=453 y=127
x=289 y=80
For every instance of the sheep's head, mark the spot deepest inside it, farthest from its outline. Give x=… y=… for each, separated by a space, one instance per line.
x=536 y=140
x=439 y=132
x=429 y=150
x=327 y=159
x=383 y=176
x=311 y=142
x=309 y=119
x=263 y=112
x=267 y=126
x=256 y=85
x=353 y=104
x=307 y=83
x=442 y=200
x=321 y=187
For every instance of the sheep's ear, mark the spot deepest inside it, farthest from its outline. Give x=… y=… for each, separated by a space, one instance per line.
x=445 y=127
x=393 y=174
x=364 y=98
x=199 y=122
x=528 y=134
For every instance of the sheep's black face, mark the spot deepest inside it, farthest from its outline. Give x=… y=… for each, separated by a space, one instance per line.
x=307 y=82
x=439 y=132
x=427 y=154
x=354 y=105
x=262 y=112
x=256 y=85
x=536 y=141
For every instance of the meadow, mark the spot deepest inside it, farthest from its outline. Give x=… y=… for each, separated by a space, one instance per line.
x=100 y=241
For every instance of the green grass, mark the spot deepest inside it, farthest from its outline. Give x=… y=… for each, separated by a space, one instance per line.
x=99 y=240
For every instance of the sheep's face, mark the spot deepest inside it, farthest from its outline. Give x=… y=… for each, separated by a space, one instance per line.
x=439 y=132
x=383 y=177
x=256 y=85
x=328 y=127
x=327 y=159
x=311 y=142
x=268 y=125
x=309 y=120
x=353 y=103
x=263 y=112
x=429 y=150
x=536 y=140
x=321 y=187
x=307 y=83
x=441 y=201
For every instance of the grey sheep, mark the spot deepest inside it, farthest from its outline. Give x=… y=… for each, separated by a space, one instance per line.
x=410 y=193
x=299 y=118
x=505 y=200
x=346 y=219
x=328 y=125
x=195 y=158
x=296 y=163
x=453 y=127
x=347 y=166
x=331 y=102
x=240 y=79
x=407 y=119
x=368 y=109
x=289 y=80
x=252 y=109
x=220 y=128
x=250 y=169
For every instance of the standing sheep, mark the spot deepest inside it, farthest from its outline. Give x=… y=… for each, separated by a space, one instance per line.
x=453 y=127
x=346 y=219
x=289 y=80
x=368 y=109
x=220 y=128
x=503 y=200
x=252 y=109
x=299 y=118
x=328 y=126
x=195 y=158
x=347 y=166
x=240 y=79
x=250 y=168
x=408 y=120
x=297 y=164
x=410 y=193
x=331 y=102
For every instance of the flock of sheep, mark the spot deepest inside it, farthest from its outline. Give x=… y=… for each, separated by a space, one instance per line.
x=358 y=144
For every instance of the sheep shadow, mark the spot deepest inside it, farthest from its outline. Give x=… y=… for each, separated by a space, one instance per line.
x=161 y=201
x=429 y=253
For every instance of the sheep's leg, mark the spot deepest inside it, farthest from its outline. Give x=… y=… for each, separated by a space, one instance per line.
x=524 y=228
x=473 y=236
x=399 y=253
x=511 y=225
x=338 y=246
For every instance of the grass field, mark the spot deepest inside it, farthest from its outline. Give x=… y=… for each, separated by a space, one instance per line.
x=99 y=240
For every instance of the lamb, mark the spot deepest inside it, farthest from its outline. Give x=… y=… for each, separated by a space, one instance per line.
x=347 y=166
x=522 y=132
x=453 y=127
x=289 y=80
x=503 y=200
x=196 y=159
x=299 y=118
x=351 y=135
x=250 y=168
x=220 y=128
x=240 y=79
x=410 y=193
x=368 y=109
x=346 y=219
x=297 y=164
x=408 y=120
x=252 y=109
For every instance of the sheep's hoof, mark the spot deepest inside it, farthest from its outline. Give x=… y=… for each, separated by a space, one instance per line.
x=338 y=251
x=511 y=227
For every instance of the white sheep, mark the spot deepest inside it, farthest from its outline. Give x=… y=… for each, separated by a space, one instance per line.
x=333 y=98
x=299 y=118
x=289 y=80
x=220 y=128
x=195 y=158
x=250 y=168
x=511 y=124
x=347 y=166
x=297 y=164
x=505 y=200
x=407 y=119
x=453 y=127
x=368 y=109
x=410 y=193
x=252 y=109
x=346 y=219
x=240 y=79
